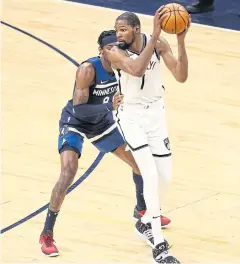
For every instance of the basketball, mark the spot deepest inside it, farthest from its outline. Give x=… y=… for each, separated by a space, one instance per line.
x=176 y=20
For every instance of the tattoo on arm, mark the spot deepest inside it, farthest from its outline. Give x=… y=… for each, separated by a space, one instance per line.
x=182 y=54
x=83 y=99
x=84 y=79
x=80 y=96
x=180 y=59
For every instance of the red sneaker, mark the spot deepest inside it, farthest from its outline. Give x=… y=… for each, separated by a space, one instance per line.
x=138 y=214
x=47 y=245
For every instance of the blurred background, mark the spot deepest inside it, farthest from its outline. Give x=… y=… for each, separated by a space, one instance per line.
x=219 y=13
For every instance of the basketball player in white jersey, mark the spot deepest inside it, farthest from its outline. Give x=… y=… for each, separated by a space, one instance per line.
x=136 y=62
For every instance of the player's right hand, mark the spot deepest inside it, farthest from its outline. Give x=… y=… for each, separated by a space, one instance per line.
x=117 y=100
x=157 y=21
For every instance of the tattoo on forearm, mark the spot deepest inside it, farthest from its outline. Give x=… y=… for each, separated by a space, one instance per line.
x=181 y=53
x=80 y=97
x=181 y=57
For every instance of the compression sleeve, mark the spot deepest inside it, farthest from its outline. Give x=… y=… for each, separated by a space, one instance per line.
x=87 y=110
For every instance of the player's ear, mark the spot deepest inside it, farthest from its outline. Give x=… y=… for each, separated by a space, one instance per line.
x=137 y=29
x=100 y=50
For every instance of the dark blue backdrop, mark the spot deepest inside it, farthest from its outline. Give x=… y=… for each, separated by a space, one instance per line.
x=226 y=14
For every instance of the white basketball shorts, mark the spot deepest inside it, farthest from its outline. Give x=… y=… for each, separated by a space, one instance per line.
x=145 y=125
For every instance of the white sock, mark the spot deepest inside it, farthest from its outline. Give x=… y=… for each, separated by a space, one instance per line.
x=157 y=231
x=147 y=166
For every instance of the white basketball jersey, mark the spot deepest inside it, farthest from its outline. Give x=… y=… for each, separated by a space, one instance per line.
x=145 y=89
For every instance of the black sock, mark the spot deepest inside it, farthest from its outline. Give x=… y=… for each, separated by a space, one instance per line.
x=50 y=221
x=139 y=191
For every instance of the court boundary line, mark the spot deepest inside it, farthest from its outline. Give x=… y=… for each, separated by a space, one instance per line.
x=144 y=15
x=92 y=166
x=71 y=188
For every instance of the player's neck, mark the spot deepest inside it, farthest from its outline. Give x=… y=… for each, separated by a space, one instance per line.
x=137 y=45
x=107 y=66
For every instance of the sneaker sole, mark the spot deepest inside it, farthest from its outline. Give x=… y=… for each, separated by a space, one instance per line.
x=144 y=238
x=51 y=255
x=154 y=262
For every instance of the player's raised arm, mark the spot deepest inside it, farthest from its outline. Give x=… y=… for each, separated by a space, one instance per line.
x=177 y=66
x=138 y=66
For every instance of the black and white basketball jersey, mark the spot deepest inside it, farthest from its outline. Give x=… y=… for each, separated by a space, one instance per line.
x=145 y=89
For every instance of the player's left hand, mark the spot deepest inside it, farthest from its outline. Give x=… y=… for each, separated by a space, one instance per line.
x=181 y=36
x=117 y=100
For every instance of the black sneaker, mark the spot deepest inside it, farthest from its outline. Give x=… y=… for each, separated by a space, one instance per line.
x=199 y=8
x=162 y=255
x=145 y=232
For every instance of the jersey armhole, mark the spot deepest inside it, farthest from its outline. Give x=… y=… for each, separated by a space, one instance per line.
x=157 y=54
x=94 y=80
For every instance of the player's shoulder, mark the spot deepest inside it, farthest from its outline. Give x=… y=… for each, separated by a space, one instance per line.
x=161 y=40
x=85 y=69
x=86 y=66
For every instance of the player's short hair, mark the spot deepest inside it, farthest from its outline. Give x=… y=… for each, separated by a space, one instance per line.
x=104 y=35
x=131 y=18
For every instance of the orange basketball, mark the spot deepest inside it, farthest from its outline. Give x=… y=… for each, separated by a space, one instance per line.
x=177 y=18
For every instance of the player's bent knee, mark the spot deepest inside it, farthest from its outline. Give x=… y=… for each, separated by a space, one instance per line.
x=67 y=175
x=69 y=171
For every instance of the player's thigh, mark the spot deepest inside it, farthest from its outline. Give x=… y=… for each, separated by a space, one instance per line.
x=159 y=143
x=68 y=139
x=133 y=133
x=109 y=142
x=158 y=138
x=70 y=148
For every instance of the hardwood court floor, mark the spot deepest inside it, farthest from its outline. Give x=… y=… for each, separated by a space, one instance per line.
x=95 y=224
